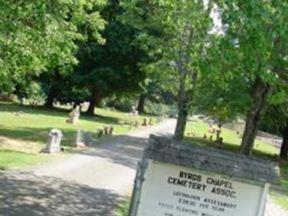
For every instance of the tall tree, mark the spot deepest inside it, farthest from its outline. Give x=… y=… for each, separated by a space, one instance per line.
x=275 y=120
x=113 y=68
x=178 y=32
x=38 y=35
x=255 y=37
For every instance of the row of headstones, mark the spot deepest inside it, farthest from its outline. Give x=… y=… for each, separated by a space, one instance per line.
x=145 y=122
x=74 y=116
x=82 y=138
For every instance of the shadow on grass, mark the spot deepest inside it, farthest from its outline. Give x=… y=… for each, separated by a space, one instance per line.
x=54 y=112
x=28 y=194
x=37 y=134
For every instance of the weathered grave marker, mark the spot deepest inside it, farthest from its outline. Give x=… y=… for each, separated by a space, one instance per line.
x=150 y=121
x=74 y=116
x=183 y=180
x=111 y=130
x=53 y=144
x=79 y=142
x=145 y=122
x=106 y=130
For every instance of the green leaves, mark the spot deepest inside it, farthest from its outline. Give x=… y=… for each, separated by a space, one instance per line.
x=39 y=35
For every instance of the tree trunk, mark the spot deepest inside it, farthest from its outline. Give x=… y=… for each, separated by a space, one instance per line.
x=261 y=91
x=51 y=96
x=94 y=101
x=284 y=147
x=183 y=108
x=181 y=124
x=141 y=103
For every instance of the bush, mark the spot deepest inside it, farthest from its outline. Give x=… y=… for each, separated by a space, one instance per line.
x=158 y=108
x=35 y=94
x=8 y=97
x=122 y=104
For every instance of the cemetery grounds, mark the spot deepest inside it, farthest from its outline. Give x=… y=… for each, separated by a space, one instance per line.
x=279 y=192
x=231 y=143
x=24 y=131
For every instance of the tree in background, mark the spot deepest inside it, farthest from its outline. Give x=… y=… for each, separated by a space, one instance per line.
x=275 y=120
x=39 y=36
x=254 y=49
x=221 y=98
x=154 y=88
x=113 y=68
x=178 y=32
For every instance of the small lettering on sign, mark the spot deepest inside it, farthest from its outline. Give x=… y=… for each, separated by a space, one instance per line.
x=176 y=191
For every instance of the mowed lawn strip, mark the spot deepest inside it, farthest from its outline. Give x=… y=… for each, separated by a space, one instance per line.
x=281 y=196
x=24 y=130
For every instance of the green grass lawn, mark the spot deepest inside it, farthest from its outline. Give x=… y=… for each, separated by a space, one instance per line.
x=24 y=130
x=10 y=159
x=281 y=196
x=231 y=139
x=232 y=143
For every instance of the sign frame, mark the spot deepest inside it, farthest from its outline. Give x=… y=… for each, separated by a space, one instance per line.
x=167 y=151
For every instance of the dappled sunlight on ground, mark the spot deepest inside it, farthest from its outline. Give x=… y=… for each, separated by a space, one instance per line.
x=27 y=194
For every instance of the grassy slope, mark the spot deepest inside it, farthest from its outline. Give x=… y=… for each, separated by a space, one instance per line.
x=282 y=196
x=231 y=139
x=24 y=131
x=10 y=159
x=232 y=142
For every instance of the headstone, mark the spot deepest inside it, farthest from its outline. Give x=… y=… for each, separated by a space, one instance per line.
x=79 y=142
x=100 y=133
x=53 y=145
x=74 y=116
x=176 y=179
x=111 y=129
x=106 y=130
x=134 y=111
x=145 y=122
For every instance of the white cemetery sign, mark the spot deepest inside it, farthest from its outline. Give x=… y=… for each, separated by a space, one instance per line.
x=180 y=180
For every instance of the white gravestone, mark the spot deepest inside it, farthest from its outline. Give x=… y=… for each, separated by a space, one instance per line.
x=180 y=180
x=79 y=139
x=53 y=145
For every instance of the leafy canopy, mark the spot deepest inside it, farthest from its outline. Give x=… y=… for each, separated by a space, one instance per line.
x=37 y=35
